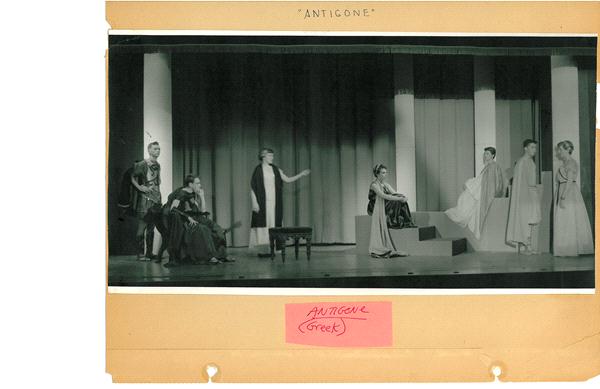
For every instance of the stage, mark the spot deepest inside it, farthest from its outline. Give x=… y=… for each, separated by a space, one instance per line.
x=339 y=266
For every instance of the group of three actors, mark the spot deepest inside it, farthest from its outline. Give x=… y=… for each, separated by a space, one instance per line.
x=572 y=234
x=188 y=233
x=571 y=225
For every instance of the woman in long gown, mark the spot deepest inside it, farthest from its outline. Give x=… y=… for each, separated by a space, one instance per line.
x=267 y=200
x=386 y=206
x=572 y=230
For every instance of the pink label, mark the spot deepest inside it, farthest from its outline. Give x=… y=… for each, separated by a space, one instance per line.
x=347 y=324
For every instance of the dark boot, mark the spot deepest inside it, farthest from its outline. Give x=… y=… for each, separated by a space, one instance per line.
x=140 y=248
x=163 y=246
x=149 y=242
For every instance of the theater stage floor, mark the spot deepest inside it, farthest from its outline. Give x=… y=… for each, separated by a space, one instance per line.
x=341 y=267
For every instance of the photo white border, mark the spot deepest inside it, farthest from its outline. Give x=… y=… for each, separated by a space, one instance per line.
x=276 y=291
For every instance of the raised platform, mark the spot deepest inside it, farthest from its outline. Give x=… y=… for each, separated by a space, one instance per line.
x=493 y=235
x=422 y=241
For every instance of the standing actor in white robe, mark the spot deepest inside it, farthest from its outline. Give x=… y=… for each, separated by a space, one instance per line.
x=474 y=203
x=525 y=213
x=267 y=201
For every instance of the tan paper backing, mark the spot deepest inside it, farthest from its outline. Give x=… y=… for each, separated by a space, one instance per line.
x=171 y=338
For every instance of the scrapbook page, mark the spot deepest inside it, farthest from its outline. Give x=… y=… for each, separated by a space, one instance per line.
x=351 y=191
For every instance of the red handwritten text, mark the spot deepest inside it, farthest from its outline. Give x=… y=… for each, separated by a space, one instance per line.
x=344 y=325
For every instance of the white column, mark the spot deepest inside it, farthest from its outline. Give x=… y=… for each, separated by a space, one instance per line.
x=404 y=114
x=157 y=114
x=565 y=103
x=158 y=119
x=484 y=107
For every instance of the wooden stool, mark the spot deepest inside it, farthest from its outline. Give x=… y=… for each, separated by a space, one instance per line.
x=281 y=234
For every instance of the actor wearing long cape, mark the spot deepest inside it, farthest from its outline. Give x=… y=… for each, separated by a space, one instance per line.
x=492 y=186
x=267 y=200
x=199 y=240
x=259 y=219
x=525 y=208
x=475 y=201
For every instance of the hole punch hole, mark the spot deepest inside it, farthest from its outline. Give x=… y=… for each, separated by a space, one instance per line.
x=496 y=372
x=211 y=371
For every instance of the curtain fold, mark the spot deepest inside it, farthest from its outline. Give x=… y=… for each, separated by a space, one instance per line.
x=518 y=114
x=587 y=133
x=126 y=142
x=444 y=129
x=328 y=113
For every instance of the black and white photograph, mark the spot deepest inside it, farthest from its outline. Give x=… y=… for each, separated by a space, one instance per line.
x=351 y=161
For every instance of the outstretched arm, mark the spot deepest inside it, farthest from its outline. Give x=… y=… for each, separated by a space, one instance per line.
x=294 y=178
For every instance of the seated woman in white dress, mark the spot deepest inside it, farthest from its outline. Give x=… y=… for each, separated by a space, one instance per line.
x=572 y=229
x=474 y=203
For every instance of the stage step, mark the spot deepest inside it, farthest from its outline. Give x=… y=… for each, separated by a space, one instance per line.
x=425 y=241
x=421 y=241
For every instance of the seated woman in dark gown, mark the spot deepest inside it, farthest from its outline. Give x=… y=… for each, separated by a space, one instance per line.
x=397 y=212
x=192 y=235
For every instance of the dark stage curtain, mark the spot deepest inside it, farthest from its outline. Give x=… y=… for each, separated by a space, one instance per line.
x=523 y=110
x=125 y=143
x=587 y=131
x=332 y=114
